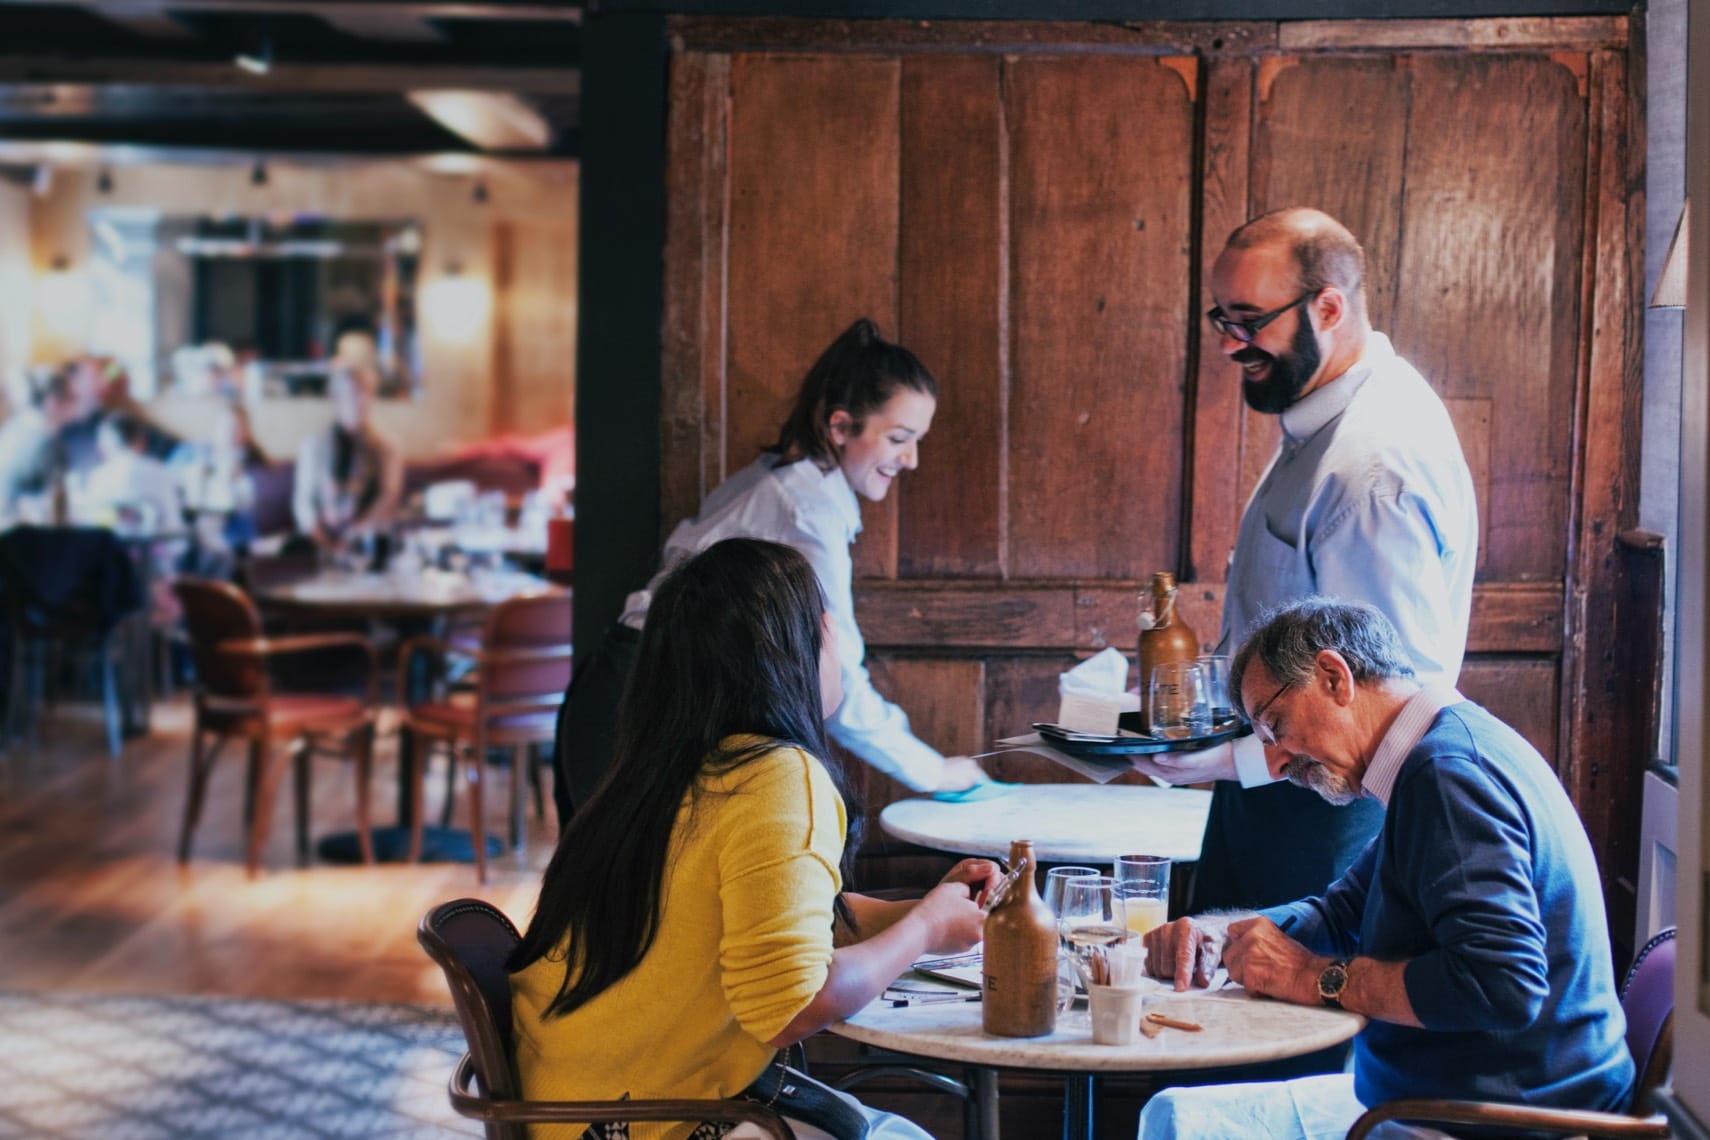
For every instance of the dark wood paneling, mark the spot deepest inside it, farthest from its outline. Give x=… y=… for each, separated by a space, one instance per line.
x=813 y=238
x=1522 y=692
x=1217 y=491
x=954 y=312
x=1019 y=691
x=691 y=428
x=1490 y=272
x=1101 y=217
x=1518 y=618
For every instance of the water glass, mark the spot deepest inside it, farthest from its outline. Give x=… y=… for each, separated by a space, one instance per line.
x=1180 y=702
x=1055 y=879
x=1094 y=919
x=1216 y=667
x=1144 y=883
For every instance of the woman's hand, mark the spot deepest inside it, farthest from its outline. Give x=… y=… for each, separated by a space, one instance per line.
x=981 y=876
x=960 y=774
x=952 y=920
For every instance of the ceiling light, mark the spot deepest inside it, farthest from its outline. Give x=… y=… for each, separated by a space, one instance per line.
x=258 y=62
x=492 y=120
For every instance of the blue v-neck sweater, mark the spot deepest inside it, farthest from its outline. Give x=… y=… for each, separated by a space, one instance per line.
x=1482 y=879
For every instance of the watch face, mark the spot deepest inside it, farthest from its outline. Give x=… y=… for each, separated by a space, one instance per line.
x=1332 y=981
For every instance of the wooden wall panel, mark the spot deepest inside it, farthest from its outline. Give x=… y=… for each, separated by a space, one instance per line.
x=1490 y=269
x=1019 y=691
x=1521 y=691
x=1332 y=133
x=813 y=237
x=1101 y=222
x=1219 y=490
x=953 y=313
x=691 y=412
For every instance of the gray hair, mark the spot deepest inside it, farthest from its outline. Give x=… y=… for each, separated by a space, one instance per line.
x=1290 y=637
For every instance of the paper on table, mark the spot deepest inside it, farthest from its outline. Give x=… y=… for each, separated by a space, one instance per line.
x=1034 y=743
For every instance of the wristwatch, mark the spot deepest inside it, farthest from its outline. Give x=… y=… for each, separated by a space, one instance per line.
x=1332 y=981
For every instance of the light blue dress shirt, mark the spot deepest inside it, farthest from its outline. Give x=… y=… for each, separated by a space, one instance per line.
x=1367 y=499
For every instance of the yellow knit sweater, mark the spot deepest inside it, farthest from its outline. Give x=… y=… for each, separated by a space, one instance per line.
x=744 y=943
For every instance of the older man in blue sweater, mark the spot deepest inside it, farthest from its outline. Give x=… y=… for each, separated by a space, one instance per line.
x=1471 y=932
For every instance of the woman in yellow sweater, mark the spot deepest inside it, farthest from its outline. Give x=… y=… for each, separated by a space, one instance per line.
x=691 y=923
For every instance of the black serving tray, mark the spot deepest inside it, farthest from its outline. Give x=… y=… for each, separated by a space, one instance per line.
x=1096 y=747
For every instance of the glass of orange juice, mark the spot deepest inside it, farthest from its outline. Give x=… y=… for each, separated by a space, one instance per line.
x=1144 y=881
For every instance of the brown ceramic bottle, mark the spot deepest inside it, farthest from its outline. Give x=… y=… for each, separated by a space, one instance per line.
x=1169 y=638
x=1020 y=997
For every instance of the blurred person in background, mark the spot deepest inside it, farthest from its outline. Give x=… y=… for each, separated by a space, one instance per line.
x=217 y=478
x=350 y=476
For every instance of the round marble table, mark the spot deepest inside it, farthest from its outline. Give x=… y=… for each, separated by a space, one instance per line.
x=1067 y=822
x=1237 y=1030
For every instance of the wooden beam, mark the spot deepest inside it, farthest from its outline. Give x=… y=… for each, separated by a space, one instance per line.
x=354 y=78
x=1068 y=616
x=1460 y=35
x=1009 y=37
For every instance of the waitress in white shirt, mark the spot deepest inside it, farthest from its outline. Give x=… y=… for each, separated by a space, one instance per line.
x=860 y=416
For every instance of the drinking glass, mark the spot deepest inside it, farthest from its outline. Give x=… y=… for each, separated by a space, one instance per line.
x=1180 y=701
x=1055 y=879
x=1144 y=883
x=1216 y=667
x=1093 y=920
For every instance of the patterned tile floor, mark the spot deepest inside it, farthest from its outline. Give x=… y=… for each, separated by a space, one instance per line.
x=75 y=1066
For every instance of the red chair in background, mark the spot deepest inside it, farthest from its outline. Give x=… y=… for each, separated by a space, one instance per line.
x=522 y=667
x=235 y=697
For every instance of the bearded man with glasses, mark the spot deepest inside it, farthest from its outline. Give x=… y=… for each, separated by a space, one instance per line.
x=1368 y=498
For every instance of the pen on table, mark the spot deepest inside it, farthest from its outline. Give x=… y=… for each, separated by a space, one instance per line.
x=931 y=999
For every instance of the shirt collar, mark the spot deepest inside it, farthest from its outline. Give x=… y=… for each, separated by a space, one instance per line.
x=1304 y=418
x=1405 y=732
x=807 y=476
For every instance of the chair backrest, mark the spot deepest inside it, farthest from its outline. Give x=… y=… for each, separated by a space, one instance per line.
x=216 y=612
x=521 y=625
x=471 y=940
x=1647 y=998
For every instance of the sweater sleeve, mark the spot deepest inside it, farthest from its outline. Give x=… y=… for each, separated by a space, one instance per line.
x=1330 y=924
x=781 y=842
x=1488 y=968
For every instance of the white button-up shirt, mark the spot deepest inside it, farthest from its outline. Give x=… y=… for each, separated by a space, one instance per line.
x=815 y=512
x=1368 y=499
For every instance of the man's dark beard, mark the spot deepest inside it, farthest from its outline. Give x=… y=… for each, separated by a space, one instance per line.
x=1290 y=372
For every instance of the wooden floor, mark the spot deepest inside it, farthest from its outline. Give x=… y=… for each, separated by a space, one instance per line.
x=92 y=898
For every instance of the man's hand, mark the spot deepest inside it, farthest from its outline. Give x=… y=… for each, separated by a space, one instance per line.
x=1188 y=767
x=960 y=774
x=1185 y=951
x=1264 y=960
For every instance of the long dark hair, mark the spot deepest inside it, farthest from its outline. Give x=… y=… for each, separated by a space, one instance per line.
x=858 y=373
x=731 y=647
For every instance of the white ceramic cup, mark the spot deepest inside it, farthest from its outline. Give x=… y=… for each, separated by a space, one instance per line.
x=1115 y=1012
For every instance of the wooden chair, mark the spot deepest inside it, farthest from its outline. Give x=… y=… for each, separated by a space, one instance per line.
x=235 y=698
x=1647 y=998
x=471 y=942
x=522 y=666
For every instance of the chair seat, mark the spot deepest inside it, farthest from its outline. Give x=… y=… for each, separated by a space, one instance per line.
x=292 y=714
x=455 y=716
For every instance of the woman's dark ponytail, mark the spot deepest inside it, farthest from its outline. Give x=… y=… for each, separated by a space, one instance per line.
x=857 y=373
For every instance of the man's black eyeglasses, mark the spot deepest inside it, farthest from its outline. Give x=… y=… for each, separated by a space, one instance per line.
x=1263 y=731
x=1247 y=331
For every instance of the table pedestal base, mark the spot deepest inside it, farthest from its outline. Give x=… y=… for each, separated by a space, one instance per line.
x=392 y=845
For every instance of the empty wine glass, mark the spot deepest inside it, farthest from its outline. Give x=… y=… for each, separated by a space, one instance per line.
x=1093 y=920
x=1180 y=703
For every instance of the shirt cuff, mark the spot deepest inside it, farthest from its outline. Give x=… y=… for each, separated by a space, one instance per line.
x=1250 y=764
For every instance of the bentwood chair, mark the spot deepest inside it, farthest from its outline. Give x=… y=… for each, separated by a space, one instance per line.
x=1647 y=998
x=471 y=942
x=235 y=697
x=522 y=666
